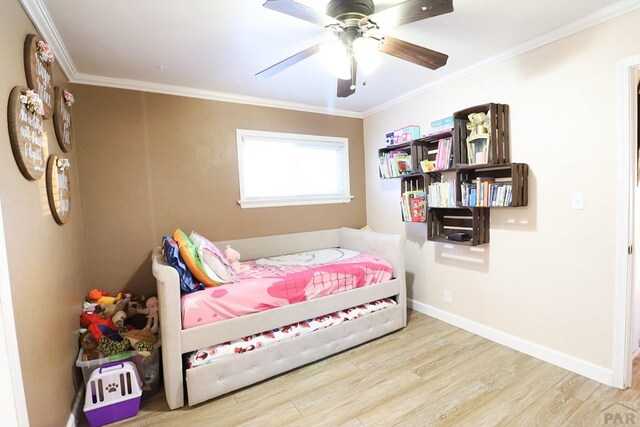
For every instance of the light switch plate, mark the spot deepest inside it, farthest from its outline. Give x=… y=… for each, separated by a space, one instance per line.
x=448 y=296
x=577 y=200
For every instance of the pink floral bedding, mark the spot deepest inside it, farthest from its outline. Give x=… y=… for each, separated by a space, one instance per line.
x=263 y=339
x=279 y=281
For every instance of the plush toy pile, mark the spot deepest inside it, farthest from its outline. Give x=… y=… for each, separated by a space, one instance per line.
x=118 y=323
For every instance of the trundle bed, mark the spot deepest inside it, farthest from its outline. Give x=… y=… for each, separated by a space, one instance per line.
x=233 y=371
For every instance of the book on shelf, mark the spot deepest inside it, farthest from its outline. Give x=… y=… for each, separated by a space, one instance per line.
x=442 y=195
x=418 y=208
x=394 y=164
x=428 y=165
x=403 y=163
x=413 y=204
x=486 y=192
x=444 y=157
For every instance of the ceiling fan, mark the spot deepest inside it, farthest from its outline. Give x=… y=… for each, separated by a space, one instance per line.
x=358 y=36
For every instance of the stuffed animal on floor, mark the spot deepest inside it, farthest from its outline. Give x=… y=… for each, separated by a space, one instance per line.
x=141 y=341
x=105 y=333
x=89 y=347
x=118 y=320
x=100 y=297
x=152 y=315
x=234 y=259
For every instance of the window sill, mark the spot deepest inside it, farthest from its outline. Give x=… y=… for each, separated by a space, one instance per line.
x=249 y=204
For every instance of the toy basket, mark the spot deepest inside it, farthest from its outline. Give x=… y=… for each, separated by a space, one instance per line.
x=113 y=393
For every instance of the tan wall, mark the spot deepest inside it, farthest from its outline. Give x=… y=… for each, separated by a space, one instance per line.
x=151 y=163
x=548 y=274
x=46 y=264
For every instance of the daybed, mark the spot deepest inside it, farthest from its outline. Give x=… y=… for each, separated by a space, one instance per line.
x=238 y=370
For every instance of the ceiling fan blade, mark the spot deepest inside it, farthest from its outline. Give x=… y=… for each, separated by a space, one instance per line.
x=409 y=11
x=286 y=63
x=413 y=53
x=345 y=86
x=300 y=11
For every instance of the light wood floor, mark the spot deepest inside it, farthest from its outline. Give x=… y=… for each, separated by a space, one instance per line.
x=430 y=373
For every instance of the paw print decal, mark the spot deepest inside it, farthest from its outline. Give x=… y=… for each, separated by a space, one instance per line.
x=111 y=387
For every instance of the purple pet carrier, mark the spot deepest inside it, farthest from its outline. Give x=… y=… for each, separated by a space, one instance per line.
x=113 y=393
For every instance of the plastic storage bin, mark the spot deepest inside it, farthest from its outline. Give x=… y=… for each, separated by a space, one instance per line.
x=148 y=367
x=113 y=393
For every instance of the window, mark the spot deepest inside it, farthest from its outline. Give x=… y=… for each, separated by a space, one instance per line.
x=282 y=169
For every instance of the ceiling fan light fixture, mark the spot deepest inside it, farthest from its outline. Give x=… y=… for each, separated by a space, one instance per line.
x=365 y=49
x=336 y=59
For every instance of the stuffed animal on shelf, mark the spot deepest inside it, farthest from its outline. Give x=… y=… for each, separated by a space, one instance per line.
x=152 y=315
x=234 y=259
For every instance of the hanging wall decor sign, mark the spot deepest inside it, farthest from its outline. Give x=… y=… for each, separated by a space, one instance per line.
x=62 y=118
x=26 y=131
x=38 y=59
x=58 y=191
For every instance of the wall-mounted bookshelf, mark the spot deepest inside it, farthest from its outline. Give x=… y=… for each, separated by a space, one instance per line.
x=469 y=225
x=453 y=187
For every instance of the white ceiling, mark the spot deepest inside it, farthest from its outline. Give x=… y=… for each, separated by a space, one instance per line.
x=216 y=46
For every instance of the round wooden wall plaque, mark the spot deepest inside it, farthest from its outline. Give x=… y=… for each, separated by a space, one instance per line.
x=63 y=121
x=27 y=136
x=58 y=191
x=38 y=73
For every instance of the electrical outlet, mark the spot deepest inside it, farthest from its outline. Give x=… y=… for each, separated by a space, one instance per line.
x=577 y=201
x=448 y=296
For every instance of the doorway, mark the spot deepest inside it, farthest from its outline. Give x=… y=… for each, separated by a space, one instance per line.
x=627 y=179
x=635 y=298
x=13 y=405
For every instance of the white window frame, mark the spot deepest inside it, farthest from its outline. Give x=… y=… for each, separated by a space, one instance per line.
x=246 y=202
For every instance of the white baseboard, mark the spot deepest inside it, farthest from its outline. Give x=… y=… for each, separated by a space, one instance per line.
x=75 y=411
x=538 y=351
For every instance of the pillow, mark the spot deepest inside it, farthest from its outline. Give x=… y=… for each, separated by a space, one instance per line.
x=171 y=254
x=212 y=258
x=190 y=255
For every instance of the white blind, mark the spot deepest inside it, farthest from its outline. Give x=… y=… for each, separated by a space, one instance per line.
x=292 y=169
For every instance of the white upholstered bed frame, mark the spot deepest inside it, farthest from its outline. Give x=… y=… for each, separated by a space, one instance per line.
x=238 y=370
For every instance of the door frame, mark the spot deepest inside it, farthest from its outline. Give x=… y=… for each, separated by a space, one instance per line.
x=10 y=366
x=626 y=177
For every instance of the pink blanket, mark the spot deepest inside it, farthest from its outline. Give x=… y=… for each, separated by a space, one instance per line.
x=279 y=281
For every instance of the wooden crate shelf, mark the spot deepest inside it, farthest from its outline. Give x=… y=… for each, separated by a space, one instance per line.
x=421 y=149
x=499 y=132
x=473 y=220
x=426 y=148
x=415 y=182
x=516 y=174
x=444 y=221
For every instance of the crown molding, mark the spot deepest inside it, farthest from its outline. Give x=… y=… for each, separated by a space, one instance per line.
x=39 y=15
x=89 y=79
x=595 y=18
